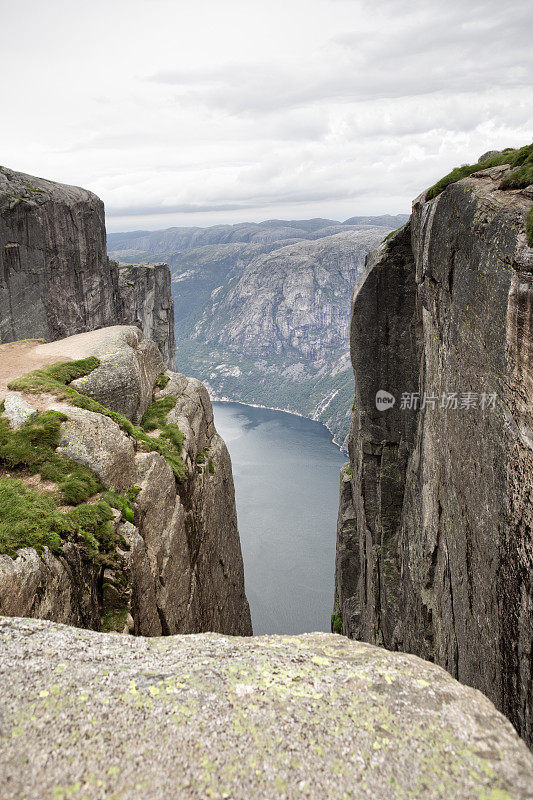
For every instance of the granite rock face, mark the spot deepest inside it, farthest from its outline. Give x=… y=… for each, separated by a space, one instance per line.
x=179 y=568
x=56 y=279
x=146 y=293
x=435 y=550
x=278 y=335
x=213 y=716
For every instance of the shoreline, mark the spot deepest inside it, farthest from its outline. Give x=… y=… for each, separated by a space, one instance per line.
x=215 y=399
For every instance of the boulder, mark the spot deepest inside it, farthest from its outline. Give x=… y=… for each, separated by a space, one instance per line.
x=18 y=410
x=312 y=716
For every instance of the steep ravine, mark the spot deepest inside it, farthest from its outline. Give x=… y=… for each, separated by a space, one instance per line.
x=434 y=548
x=262 y=310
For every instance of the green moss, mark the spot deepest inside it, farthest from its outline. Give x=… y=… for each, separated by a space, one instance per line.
x=349 y=471
x=388 y=236
x=336 y=622
x=31 y=519
x=55 y=379
x=211 y=467
x=162 y=380
x=155 y=416
x=201 y=457
x=521 y=159
x=32 y=449
x=114 y=620
x=123 y=502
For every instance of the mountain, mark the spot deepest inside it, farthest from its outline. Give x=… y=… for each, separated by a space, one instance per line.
x=434 y=548
x=262 y=309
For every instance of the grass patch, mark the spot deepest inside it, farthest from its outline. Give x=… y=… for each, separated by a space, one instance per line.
x=201 y=457
x=31 y=519
x=336 y=622
x=55 y=380
x=32 y=449
x=155 y=416
x=123 y=502
x=349 y=471
x=162 y=380
x=521 y=159
x=114 y=620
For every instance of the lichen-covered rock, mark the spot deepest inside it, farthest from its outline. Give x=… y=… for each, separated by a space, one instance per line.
x=314 y=716
x=98 y=443
x=17 y=410
x=146 y=293
x=180 y=568
x=441 y=489
x=55 y=277
x=129 y=366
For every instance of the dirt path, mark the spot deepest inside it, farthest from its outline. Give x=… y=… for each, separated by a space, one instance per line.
x=17 y=358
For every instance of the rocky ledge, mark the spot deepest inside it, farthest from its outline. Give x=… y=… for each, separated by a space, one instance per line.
x=316 y=716
x=116 y=492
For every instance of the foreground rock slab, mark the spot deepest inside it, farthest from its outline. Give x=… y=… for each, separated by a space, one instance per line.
x=92 y=715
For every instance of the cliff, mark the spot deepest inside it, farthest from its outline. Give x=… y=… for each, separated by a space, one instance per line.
x=434 y=548
x=147 y=297
x=55 y=277
x=262 y=310
x=117 y=507
x=213 y=716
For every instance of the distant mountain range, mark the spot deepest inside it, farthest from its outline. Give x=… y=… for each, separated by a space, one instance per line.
x=262 y=309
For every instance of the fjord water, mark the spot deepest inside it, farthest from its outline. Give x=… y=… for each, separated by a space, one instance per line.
x=286 y=473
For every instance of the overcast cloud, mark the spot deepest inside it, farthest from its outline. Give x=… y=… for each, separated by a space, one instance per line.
x=181 y=113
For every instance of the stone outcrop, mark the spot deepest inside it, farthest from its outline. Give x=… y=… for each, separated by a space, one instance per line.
x=178 y=565
x=313 y=716
x=146 y=293
x=56 y=279
x=435 y=550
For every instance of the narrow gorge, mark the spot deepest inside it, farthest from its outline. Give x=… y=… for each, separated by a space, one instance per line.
x=118 y=522
x=262 y=309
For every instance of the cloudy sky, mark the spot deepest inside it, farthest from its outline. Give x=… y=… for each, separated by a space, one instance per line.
x=195 y=112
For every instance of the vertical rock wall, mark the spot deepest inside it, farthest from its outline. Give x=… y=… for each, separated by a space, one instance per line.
x=55 y=277
x=146 y=293
x=435 y=551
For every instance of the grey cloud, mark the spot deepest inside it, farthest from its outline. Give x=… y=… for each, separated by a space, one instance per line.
x=455 y=47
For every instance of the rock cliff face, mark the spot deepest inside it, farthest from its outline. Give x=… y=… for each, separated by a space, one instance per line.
x=147 y=296
x=213 y=716
x=151 y=547
x=55 y=277
x=435 y=552
x=262 y=310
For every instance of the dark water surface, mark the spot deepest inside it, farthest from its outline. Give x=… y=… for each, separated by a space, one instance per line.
x=286 y=473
